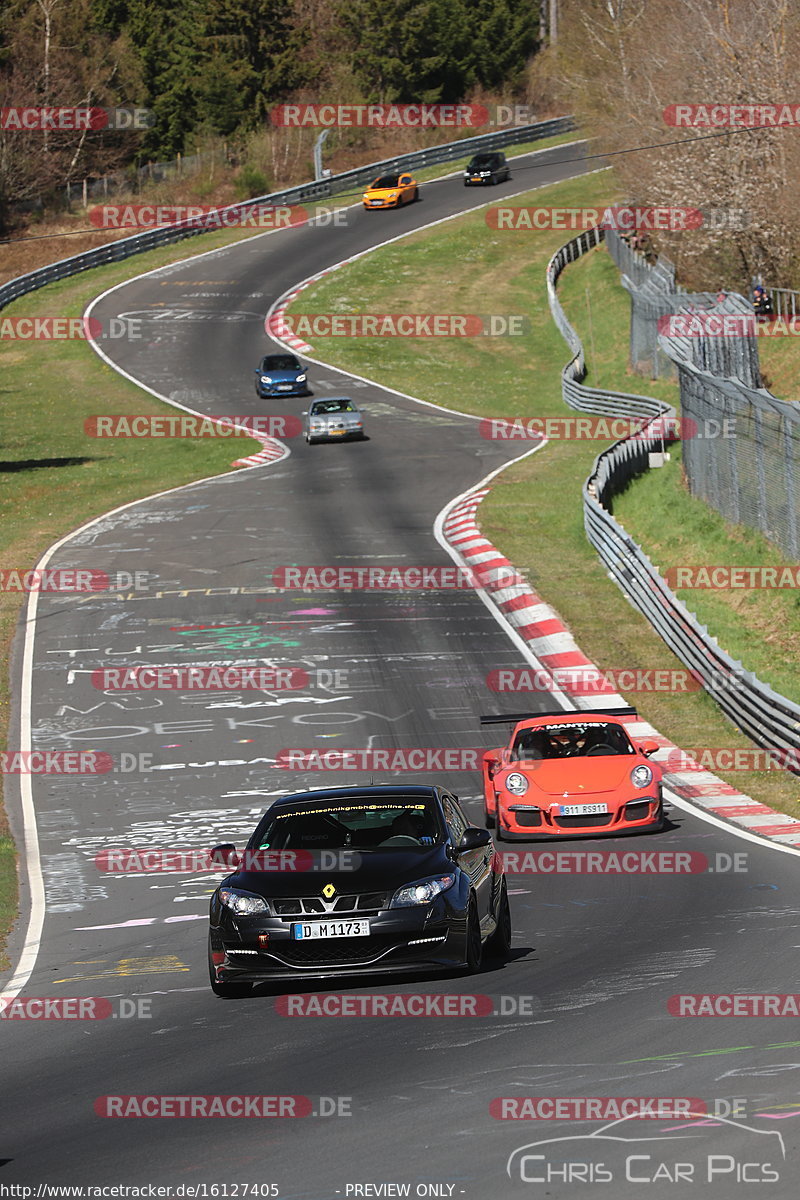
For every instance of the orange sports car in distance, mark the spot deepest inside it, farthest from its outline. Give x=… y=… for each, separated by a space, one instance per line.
x=570 y=774
x=390 y=191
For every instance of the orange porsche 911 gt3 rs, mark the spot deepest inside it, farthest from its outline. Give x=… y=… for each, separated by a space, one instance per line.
x=570 y=774
x=390 y=191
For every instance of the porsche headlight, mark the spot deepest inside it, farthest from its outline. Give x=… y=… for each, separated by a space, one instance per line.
x=516 y=783
x=244 y=904
x=641 y=776
x=422 y=892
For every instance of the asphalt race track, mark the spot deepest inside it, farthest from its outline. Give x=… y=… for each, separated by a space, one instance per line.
x=581 y=1008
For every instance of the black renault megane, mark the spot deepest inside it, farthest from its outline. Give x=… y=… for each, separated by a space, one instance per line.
x=359 y=880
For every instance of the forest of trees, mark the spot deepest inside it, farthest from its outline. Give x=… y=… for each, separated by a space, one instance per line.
x=217 y=67
x=213 y=69
x=621 y=63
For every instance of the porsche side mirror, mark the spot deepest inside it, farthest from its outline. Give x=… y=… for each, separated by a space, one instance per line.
x=648 y=748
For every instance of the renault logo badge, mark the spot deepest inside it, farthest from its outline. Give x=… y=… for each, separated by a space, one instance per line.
x=328 y=891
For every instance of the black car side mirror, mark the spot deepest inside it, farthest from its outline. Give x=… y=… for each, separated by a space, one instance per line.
x=225 y=855
x=473 y=839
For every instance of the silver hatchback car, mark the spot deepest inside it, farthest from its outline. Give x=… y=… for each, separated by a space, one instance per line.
x=333 y=418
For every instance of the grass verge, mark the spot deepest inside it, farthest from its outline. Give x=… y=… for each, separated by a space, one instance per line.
x=53 y=477
x=534 y=511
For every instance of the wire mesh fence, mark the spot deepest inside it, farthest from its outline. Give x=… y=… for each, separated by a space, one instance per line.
x=656 y=297
x=772 y=721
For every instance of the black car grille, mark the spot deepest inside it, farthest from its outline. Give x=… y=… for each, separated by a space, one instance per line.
x=300 y=906
x=581 y=822
x=320 y=954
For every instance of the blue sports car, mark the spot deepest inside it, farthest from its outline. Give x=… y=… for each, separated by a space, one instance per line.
x=281 y=374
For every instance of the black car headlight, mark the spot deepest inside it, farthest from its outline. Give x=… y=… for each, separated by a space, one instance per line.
x=244 y=904
x=641 y=776
x=421 y=892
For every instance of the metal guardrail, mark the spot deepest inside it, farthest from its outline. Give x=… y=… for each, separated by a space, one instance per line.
x=771 y=720
x=138 y=243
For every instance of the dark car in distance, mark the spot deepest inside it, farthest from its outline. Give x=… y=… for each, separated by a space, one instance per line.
x=281 y=375
x=488 y=167
x=414 y=887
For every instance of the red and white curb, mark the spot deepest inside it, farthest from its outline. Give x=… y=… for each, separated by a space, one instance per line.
x=554 y=647
x=275 y=324
x=273 y=451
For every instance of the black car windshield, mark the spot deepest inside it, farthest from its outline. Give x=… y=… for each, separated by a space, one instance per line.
x=333 y=406
x=571 y=741
x=396 y=824
x=385 y=181
x=280 y=362
x=482 y=162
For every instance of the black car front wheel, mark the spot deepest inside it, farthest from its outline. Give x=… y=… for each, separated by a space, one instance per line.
x=231 y=991
x=474 y=952
x=499 y=944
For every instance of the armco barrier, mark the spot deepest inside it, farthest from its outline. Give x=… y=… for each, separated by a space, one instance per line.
x=138 y=243
x=771 y=720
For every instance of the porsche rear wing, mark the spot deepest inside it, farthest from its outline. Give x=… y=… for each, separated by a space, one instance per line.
x=512 y=718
